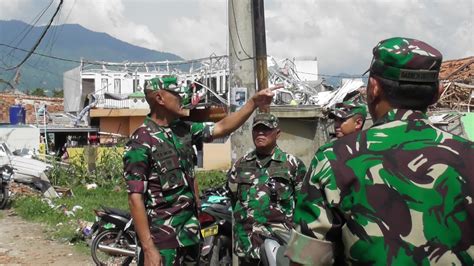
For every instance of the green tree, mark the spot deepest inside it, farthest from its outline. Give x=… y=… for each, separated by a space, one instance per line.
x=58 y=93
x=38 y=92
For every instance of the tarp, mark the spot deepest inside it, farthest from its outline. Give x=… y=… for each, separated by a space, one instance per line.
x=72 y=90
x=468 y=124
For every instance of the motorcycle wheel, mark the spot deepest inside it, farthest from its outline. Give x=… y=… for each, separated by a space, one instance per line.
x=220 y=255
x=109 y=238
x=4 y=196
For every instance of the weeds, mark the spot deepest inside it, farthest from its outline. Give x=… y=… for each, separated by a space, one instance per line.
x=102 y=166
x=208 y=179
x=62 y=226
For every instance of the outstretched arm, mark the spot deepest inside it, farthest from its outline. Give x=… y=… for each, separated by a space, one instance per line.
x=234 y=120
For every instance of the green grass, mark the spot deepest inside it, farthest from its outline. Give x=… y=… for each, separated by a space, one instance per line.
x=64 y=228
x=58 y=225
x=207 y=179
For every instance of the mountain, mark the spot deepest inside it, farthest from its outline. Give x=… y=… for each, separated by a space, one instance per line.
x=71 y=41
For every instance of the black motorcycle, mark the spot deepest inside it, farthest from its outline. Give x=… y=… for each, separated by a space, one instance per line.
x=114 y=241
x=6 y=174
x=216 y=227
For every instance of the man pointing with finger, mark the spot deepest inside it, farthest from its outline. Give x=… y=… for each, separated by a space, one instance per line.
x=159 y=171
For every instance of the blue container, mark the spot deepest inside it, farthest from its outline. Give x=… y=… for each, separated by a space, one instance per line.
x=17 y=114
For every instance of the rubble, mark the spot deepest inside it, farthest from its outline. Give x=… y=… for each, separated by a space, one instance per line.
x=458 y=81
x=22 y=189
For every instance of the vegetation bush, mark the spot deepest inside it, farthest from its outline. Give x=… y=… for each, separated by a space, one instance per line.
x=208 y=179
x=53 y=212
x=107 y=170
x=111 y=192
x=103 y=167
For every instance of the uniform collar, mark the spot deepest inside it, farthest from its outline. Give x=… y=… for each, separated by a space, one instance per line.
x=155 y=127
x=401 y=115
x=278 y=155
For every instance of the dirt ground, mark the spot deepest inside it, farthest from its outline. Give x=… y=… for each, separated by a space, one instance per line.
x=25 y=243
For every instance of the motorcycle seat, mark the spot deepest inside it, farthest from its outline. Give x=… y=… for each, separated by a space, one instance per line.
x=116 y=211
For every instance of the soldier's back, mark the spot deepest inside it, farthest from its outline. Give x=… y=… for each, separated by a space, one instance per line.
x=405 y=190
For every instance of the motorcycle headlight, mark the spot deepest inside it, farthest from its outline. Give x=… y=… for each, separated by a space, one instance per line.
x=6 y=176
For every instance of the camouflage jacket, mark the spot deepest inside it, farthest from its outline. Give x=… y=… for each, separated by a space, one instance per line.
x=399 y=193
x=262 y=192
x=159 y=162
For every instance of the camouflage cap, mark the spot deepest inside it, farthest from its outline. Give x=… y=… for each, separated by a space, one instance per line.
x=348 y=109
x=169 y=83
x=266 y=119
x=404 y=59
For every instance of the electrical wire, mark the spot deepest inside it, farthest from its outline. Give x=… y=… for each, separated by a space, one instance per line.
x=171 y=63
x=59 y=29
x=55 y=33
x=39 y=40
x=238 y=36
x=28 y=28
x=158 y=63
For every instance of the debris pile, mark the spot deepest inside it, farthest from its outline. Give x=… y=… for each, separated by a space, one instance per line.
x=23 y=189
x=458 y=81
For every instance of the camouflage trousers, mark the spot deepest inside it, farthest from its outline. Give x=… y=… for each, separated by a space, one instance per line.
x=176 y=257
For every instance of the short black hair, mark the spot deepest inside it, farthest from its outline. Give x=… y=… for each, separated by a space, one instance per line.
x=408 y=95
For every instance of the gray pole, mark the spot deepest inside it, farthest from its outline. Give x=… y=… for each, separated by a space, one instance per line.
x=241 y=66
x=242 y=73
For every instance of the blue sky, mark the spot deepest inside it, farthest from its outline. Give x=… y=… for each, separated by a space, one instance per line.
x=340 y=33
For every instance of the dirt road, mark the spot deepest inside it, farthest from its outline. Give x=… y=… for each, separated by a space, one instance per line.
x=25 y=243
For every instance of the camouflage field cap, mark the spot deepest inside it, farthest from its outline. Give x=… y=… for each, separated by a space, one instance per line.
x=266 y=119
x=404 y=59
x=169 y=83
x=348 y=109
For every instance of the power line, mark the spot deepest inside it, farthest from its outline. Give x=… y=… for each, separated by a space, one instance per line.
x=55 y=32
x=29 y=28
x=39 y=40
x=172 y=63
x=40 y=54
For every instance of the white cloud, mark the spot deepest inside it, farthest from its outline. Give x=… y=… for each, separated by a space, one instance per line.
x=199 y=35
x=340 y=33
x=110 y=16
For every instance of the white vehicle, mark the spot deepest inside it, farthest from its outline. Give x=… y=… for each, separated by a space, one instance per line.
x=25 y=168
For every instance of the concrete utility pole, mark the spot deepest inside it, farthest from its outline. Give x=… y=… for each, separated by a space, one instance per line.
x=242 y=67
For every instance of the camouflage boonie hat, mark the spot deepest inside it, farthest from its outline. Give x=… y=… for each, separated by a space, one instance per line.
x=169 y=83
x=348 y=109
x=266 y=119
x=404 y=59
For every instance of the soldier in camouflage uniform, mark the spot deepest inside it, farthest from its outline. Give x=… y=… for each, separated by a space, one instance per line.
x=399 y=193
x=159 y=172
x=263 y=185
x=349 y=117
